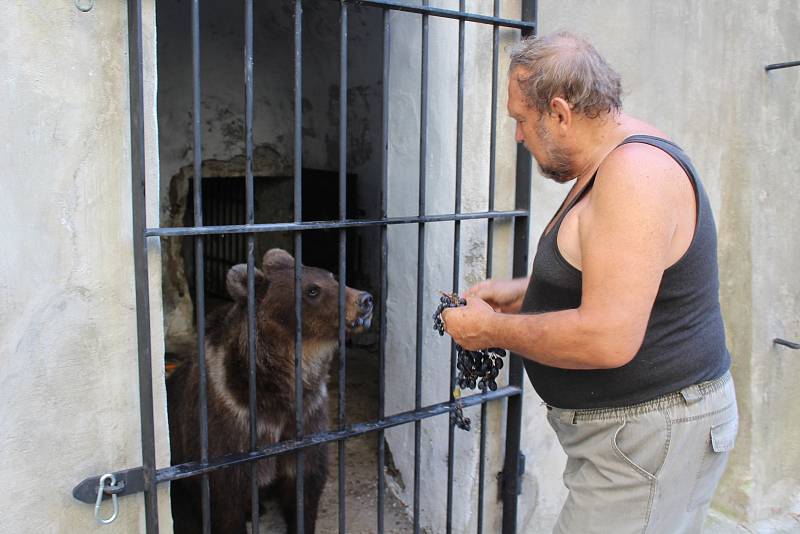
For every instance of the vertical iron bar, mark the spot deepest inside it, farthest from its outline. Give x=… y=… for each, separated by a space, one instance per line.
x=384 y=261
x=139 y=206
x=251 y=289
x=298 y=257
x=423 y=141
x=199 y=263
x=489 y=246
x=456 y=260
x=520 y=268
x=342 y=255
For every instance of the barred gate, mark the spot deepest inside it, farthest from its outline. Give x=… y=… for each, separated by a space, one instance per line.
x=146 y=478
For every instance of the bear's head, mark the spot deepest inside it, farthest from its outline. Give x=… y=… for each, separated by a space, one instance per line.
x=275 y=298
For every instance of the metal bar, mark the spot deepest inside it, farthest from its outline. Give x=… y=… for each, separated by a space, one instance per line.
x=384 y=262
x=189 y=469
x=776 y=66
x=298 y=255
x=446 y=13
x=342 y=255
x=423 y=144
x=489 y=248
x=786 y=343
x=511 y=464
x=86 y=491
x=251 y=289
x=322 y=225
x=200 y=264
x=139 y=208
x=456 y=260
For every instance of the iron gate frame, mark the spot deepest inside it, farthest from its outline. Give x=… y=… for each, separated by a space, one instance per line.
x=146 y=478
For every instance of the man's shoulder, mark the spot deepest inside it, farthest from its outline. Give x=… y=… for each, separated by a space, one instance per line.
x=640 y=166
x=640 y=180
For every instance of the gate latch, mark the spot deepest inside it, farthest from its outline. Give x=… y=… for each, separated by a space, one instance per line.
x=113 y=489
x=94 y=490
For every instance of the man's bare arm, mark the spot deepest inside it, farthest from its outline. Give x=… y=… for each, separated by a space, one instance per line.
x=625 y=236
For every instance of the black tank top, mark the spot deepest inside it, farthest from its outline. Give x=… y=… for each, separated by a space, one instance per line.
x=685 y=338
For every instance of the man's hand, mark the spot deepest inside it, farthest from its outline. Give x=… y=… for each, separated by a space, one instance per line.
x=504 y=296
x=469 y=325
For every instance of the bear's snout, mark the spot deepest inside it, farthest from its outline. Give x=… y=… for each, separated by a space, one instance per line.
x=365 y=302
x=359 y=313
x=365 y=308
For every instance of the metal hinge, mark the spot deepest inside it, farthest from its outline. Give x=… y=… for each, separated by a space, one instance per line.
x=505 y=482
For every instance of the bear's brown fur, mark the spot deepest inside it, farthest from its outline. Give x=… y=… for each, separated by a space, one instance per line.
x=227 y=363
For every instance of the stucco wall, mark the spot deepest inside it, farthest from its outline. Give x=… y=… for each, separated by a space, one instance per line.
x=69 y=405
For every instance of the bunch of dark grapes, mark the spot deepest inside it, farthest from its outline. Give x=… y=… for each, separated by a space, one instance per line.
x=476 y=368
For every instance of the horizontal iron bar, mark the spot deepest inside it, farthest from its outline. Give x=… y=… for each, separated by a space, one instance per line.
x=446 y=13
x=786 y=65
x=86 y=491
x=321 y=225
x=189 y=469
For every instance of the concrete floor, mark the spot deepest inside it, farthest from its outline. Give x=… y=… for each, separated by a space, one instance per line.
x=717 y=523
x=361 y=500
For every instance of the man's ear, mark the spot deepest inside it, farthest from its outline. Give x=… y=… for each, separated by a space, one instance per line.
x=236 y=282
x=561 y=111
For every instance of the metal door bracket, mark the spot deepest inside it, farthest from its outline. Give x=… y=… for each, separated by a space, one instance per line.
x=785 y=343
x=776 y=66
x=507 y=483
x=126 y=482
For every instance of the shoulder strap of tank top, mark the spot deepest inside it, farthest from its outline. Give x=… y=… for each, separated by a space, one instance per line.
x=562 y=211
x=667 y=146
x=670 y=148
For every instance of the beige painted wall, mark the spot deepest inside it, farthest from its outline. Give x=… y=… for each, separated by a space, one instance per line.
x=69 y=405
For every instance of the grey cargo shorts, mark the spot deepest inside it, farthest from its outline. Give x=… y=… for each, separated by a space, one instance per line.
x=649 y=468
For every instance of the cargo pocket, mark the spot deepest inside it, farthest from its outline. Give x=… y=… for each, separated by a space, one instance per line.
x=719 y=444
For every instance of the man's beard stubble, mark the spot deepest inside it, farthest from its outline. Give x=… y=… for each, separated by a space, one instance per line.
x=558 y=166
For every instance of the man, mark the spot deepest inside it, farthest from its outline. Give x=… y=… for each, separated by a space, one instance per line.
x=619 y=324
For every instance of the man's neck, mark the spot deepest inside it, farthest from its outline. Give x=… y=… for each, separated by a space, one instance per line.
x=596 y=139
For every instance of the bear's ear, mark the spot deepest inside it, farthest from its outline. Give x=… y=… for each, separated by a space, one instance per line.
x=277 y=258
x=236 y=282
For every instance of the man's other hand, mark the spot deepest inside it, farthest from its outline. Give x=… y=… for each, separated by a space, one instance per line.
x=504 y=296
x=469 y=325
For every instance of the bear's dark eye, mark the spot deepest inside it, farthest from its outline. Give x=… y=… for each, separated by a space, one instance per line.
x=312 y=292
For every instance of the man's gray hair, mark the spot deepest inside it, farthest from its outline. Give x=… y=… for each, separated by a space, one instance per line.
x=567 y=66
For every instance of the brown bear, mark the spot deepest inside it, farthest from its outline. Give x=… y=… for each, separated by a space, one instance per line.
x=227 y=363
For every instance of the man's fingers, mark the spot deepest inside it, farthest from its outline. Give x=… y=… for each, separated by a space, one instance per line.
x=478 y=290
